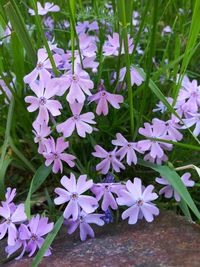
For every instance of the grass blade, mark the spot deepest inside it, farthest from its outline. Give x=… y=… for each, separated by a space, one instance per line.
x=39 y=177
x=174 y=179
x=48 y=241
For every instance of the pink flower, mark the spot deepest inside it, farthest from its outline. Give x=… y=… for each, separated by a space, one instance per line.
x=43 y=101
x=156 y=130
x=41 y=131
x=105 y=191
x=127 y=149
x=11 y=218
x=168 y=191
x=42 y=68
x=78 y=84
x=138 y=199
x=54 y=154
x=109 y=160
x=48 y=7
x=73 y=195
x=136 y=78
x=103 y=98
x=83 y=222
x=80 y=122
x=112 y=45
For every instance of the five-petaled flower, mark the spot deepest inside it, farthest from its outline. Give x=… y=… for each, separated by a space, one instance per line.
x=73 y=193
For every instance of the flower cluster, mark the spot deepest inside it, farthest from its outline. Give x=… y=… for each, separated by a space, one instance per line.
x=22 y=234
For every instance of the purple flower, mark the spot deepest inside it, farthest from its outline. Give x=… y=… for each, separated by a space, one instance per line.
x=78 y=84
x=48 y=7
x=103 y=98
x=156 y=130
x=42 y=68
x=34 y=232
x=194 y=119
x=10 y=195
x=160 y=107
x=171 y=127
x=190 y=93
x=11 y=218
x=19 y=244
x=54 y=154
x=136 y=78
x=86 y=26
x=74 y=196
x=112 y=45
x=43 y=101
x=83 y=222
x=168 y=191
x=87 y=45
x=138 y=199
x=105 y=191
x=41 y=131
x=107 y=217
x=109 y=159
x=127 y=149
x=166 y=30
x=79 y=121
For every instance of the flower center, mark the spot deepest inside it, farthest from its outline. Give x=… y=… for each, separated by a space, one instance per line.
x=56 y=156
x=103 y=94
x=8 y=221
x=76 y=116
x=140 y=202
x=74 y=196
x=43 y=100
x=107 y=187
x=34 y=237
x=129 y=145
x=40 y=65
x=110 y=156
x=74 y=78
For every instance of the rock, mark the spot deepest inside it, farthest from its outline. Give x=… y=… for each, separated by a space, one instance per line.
x=168 y=241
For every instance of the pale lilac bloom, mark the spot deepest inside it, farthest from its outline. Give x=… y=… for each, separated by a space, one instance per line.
x=103 y=98
x=86 y=26
x=34 y=233
x=87 y=45
x=194 y=119
x=6 y=34
x=78 y=84
x=55 y=154
x=109 y=160
x=156 y=130
x=80 y=122
x=48 y=7
x=167 y=30
x=105 y=191
x=190 y=93
x=139 y=200
x=4 y=88
x=19 y=244
x=73 y=193
x=127 y=149
x=112 y=45
x=43 y=101
x=156 y=160
x=136 y=78
x=42 y=68
x=11 y=218
x=49 y=23
x=171 y=128
x=83 y=222
x=10 y=195
x=41 y=131
x=160 y=107
x=169 y=192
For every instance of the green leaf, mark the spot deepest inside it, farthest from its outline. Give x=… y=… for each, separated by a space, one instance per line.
x=47 y=243
x=174 y=179
x=19 y=27
x=3 y=169
x=38 y=178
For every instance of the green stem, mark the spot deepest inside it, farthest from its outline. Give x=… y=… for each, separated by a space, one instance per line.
x=72 y=15
x=121 y=5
